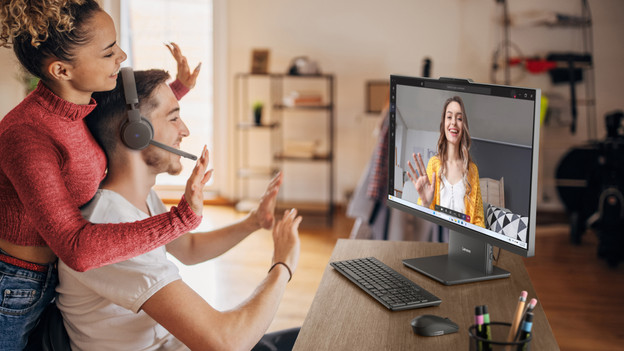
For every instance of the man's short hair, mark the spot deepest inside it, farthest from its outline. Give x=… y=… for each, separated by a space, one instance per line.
x=111 y=111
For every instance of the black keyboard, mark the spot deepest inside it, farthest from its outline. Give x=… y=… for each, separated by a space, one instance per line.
x=386 y=285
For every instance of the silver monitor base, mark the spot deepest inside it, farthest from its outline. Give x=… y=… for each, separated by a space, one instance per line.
x=469 y=260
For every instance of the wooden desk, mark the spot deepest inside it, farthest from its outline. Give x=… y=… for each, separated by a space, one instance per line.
x=343 y=317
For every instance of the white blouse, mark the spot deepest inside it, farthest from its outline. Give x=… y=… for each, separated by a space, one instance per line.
x=452 y=196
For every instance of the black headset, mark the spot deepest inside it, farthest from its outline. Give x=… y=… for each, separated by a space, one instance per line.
x=137 y=132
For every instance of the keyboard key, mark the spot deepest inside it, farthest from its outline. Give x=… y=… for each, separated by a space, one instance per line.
x=351 y=273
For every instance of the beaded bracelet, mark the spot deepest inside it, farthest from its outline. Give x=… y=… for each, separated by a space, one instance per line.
x=285 y=265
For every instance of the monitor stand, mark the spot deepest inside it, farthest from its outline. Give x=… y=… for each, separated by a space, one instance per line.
x=468 y=260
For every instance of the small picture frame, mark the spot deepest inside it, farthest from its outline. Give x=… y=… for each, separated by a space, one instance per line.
x=377 y=94
x=260 y=61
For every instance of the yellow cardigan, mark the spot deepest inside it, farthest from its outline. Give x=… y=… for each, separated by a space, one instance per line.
x=473 y=202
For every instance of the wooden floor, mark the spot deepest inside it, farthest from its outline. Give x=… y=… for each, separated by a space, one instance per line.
x=582 y=297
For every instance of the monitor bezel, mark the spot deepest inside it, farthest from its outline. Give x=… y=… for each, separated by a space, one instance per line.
x=466 y=85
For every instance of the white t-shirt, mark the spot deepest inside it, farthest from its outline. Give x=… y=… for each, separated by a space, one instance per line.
x=101 y=306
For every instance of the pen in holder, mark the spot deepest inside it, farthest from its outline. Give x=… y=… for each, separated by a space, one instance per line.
x=498 y=340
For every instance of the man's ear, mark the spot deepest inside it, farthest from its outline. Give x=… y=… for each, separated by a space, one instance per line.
x=59 y=70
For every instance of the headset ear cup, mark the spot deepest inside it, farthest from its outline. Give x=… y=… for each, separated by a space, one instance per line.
x=137 y=135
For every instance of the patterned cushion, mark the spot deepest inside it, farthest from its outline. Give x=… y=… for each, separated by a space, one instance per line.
x=503 y=221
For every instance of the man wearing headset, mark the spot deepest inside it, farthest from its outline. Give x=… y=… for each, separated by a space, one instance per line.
x=142 y=303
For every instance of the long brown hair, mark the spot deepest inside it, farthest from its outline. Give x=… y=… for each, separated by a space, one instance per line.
x=464 y=147
x=38 y=30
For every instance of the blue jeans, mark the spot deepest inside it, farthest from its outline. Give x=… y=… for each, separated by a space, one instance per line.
x=24 y=294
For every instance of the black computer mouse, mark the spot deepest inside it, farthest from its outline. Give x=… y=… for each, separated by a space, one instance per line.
x=430 y=325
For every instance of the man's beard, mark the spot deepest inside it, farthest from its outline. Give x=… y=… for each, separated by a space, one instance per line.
x=160 y=160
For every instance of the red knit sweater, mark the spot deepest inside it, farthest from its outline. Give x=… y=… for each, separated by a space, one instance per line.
x=50 y=165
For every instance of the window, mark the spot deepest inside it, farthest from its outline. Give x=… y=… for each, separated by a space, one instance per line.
x=146 y=25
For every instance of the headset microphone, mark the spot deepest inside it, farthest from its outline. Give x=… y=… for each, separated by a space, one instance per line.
x=137 y=132
x=174 y=150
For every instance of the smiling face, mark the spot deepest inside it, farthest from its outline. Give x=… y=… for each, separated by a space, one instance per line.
x=453 y=123
x=97 y=62
x=169 y=129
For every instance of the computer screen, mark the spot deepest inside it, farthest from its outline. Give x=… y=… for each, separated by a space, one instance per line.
x=465 y=156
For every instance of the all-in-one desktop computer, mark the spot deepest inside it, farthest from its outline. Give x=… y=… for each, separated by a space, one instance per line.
x=446 y=137
x=500 y=133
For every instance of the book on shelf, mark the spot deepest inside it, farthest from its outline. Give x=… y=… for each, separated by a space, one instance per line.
x=303 y=98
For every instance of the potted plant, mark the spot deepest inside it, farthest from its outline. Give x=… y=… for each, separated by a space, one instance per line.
x=257 y=112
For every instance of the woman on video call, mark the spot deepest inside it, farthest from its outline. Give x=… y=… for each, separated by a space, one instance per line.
x=451 y=179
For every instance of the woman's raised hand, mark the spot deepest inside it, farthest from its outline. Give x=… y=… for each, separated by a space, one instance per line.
x=184 y=75
x=420 y=179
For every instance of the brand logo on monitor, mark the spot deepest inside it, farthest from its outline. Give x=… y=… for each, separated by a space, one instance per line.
x=466 y=250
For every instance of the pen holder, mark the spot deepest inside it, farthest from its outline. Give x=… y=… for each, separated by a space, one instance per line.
x=498 y=340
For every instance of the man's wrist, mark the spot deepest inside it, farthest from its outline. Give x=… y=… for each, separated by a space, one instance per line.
x=283 y=266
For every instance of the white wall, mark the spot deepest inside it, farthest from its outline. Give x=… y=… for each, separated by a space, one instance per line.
x=356 y=41
x=359 y=40
x=11 y=89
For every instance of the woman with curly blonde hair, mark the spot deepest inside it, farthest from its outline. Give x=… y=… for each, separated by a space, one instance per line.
x=50 y=165
x=451 y=179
